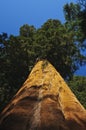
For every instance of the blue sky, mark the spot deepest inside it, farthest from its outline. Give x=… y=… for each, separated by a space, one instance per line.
x=15 y=13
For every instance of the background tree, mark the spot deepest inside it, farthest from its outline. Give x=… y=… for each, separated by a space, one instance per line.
x=73 y=25
x=82 y=16
x=78 y=86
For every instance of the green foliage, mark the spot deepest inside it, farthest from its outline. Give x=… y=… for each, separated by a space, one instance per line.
x=15 y=65
x=27 y=31
x=75 y=28
x=75 y=14
x=78 y=86
x=71 y=11
x=73 y=21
